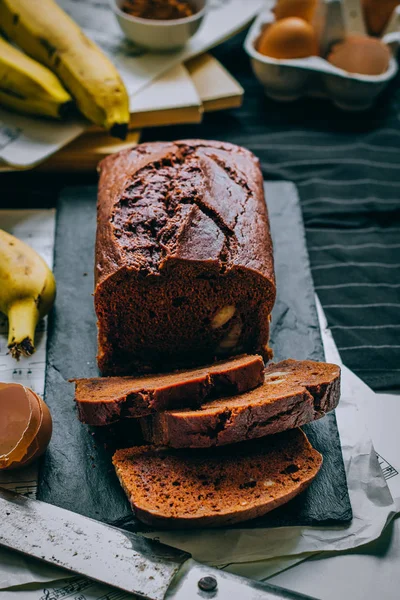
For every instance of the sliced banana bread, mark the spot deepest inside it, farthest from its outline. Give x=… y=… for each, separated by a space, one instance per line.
x=203 y=488
x=293 y=394
x=184 y=262
x=105 y=400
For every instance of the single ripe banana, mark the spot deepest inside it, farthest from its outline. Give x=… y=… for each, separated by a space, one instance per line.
x=45 y=32
x=28 y=87
x=27 y=292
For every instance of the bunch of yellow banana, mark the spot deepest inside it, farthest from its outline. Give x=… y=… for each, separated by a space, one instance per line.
x=29 y=87
x=45 y=32
x=27 y=292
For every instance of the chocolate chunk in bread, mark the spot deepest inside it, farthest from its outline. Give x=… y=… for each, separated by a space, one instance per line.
x=293 y=394
x=211 y=488
x=184 y=264
x=105 y=400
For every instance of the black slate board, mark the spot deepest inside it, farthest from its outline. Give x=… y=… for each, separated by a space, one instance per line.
x=76 y=472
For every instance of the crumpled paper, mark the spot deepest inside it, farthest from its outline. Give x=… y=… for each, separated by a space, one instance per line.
x=380 y=412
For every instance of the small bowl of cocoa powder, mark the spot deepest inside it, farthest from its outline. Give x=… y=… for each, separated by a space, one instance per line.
x=159 y=25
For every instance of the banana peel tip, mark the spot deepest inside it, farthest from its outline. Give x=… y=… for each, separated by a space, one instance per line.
x=24 y=348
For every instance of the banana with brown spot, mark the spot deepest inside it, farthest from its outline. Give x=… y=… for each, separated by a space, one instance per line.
x=45 y=32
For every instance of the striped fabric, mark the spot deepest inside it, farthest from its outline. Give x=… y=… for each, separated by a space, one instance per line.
x=357 y=277
x=349 y=184
x=347 y=170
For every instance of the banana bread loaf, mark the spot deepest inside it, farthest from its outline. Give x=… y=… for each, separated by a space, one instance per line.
x=184 y=266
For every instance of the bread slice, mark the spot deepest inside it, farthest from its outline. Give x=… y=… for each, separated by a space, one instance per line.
x=204 y=488
x=293 y=394
x=105 y=400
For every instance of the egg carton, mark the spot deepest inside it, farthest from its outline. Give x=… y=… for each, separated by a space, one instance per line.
x=290 y=79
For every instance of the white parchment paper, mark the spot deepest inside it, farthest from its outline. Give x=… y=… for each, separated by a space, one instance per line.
x=380 y=413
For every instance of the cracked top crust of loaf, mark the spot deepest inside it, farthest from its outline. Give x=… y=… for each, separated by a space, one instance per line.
x=184 y=261
x=192 y=200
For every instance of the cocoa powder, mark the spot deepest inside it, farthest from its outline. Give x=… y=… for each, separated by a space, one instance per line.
x=158 y=9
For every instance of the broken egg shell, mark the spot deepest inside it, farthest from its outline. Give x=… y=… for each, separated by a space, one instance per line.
x=43 y=435
x=15 y=430
x=46 y=427
x=20 y=419
x=377 y=14
x=34 y=418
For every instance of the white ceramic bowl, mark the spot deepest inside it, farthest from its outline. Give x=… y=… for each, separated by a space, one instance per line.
x=159 y=35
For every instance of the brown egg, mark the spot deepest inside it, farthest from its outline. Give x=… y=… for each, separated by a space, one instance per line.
x=288 y=38
x=360 y=54
x=304 y=9
x=25 y=426
x=377 y=14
